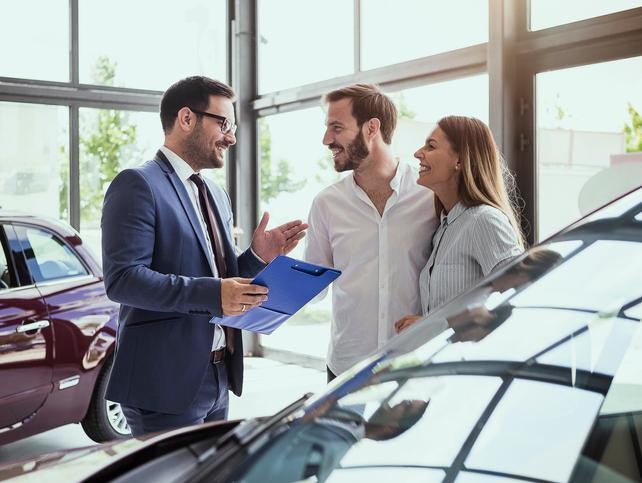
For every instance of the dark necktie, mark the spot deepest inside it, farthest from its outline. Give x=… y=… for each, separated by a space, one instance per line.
x=212 y=226
x=215 y=239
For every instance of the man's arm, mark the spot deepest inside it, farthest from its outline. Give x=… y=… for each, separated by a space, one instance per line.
x=128 y=236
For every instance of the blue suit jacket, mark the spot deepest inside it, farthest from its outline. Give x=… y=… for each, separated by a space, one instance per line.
x=156 y=266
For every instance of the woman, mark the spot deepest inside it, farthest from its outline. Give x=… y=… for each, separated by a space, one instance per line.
x=479 y=228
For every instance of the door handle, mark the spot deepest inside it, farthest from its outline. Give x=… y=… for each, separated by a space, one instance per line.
x=38 y=324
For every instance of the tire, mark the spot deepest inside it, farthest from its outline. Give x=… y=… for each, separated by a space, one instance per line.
x=104 y=420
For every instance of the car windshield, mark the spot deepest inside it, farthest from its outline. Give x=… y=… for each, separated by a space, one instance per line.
x=504 y=383
x=424 y=424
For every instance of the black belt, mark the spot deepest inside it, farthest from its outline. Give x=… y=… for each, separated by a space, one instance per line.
x=218 y=356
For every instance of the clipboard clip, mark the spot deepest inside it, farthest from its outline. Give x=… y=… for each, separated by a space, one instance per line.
x=310 y=270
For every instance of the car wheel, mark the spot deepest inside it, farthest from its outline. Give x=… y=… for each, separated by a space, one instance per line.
x=104 y=420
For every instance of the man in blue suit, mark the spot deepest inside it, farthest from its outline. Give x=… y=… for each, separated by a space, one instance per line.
x=169 y=260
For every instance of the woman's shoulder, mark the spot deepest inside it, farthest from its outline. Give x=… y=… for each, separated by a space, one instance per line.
x=488 y=215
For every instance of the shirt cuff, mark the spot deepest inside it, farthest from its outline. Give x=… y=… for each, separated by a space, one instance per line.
x=257 y=257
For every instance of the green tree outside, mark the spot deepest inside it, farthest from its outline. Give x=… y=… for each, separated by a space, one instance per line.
x=276 y=178
x=112 y=140
x=633 y=131
x=103 y=146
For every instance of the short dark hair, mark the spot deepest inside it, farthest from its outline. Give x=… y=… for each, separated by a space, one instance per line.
x=193 y=92
x=369 y=101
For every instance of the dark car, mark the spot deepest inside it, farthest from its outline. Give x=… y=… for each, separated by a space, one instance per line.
x=57 y=333
x=533 y=375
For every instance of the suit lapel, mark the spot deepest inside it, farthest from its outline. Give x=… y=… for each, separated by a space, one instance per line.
x=188 y=207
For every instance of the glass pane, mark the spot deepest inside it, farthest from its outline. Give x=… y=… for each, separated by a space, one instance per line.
x=5 y=271
x=34 y=159
x=424 y=443
x=110 y=141
x=294 y=168
x=34 y=39
x=529 y=331
x=421 y=107
x=606 y=287
x=51 y=259
x=549 y=13
x=416 y=28
x=469 y=477
x=589 y=139
x=151 y=44
x=421 y=424
x=625 y=393
x=529 y=416
x=599 y=349
x=293 y=51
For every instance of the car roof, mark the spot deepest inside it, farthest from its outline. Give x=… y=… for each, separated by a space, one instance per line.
x=62 y=228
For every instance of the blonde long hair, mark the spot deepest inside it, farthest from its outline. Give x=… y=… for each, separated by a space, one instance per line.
x=485 y=177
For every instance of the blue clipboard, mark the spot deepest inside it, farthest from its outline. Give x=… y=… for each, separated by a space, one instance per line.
x=292 y=284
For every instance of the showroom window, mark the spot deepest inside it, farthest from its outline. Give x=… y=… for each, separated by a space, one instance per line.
x=416 y=28
x=35 y=46
x=110 y=141
x=550 y=13
x=313 y=41
x=34 y=159
x=158 y=42
x=421 y=107
x=589 y=140
x=64 y=142
x=294 y=167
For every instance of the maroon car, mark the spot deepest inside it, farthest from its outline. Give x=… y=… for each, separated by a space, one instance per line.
x=57 y=333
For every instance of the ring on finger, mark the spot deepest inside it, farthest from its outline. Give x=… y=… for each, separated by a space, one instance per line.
x=243 y=307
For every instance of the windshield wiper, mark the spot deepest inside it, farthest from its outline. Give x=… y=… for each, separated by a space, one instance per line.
x=238 y=438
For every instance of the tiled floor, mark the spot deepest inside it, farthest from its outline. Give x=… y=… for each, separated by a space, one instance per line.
x=269 y=386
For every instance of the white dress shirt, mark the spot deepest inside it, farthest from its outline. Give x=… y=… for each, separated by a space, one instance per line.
x=184 y=171
x=380 y=258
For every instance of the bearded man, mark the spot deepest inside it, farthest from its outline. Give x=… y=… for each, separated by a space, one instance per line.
x=170 y=261
x=375 y=226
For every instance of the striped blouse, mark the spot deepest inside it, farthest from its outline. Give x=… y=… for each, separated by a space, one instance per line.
x=469 y=243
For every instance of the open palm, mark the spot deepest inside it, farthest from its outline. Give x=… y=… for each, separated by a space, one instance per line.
x=268 y=244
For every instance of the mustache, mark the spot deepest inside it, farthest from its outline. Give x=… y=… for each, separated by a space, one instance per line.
x=334 y=146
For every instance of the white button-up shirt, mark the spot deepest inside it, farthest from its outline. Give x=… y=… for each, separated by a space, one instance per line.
x=380 y=257
x=184 y=171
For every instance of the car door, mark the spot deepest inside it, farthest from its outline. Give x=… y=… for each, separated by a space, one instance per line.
x=77 y=306
x=26 y=338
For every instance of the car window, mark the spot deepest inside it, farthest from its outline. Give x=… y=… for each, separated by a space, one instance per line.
x=6 y=280
x=48 y=257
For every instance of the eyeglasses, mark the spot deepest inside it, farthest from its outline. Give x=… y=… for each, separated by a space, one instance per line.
x=225 y=123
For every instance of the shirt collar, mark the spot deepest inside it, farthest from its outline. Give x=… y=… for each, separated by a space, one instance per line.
x=396 y=179
x=183 y=170
x=453 y=214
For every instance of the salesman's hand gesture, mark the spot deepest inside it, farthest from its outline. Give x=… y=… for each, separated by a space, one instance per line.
x=268 y=244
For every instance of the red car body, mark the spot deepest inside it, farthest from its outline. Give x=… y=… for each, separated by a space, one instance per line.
x=57 y=332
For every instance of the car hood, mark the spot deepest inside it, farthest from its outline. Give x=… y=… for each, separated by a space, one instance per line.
x=70 y=465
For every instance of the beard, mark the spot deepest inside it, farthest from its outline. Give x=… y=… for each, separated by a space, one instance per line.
x=355 y=152
x=198 y=152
